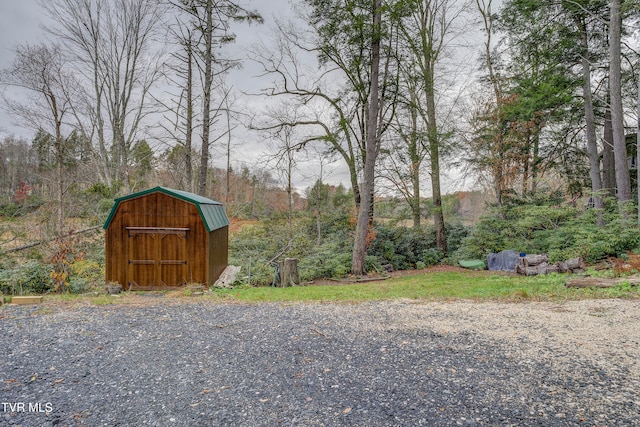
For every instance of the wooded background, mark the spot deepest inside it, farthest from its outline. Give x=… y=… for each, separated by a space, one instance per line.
x=129 y=94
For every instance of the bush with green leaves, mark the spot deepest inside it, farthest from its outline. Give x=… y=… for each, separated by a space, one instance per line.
x=401 y=247
x=409 y=248
x=332 y=259
x=85 y=275
x=30 y=277
x=255 y=247
x=561 y=231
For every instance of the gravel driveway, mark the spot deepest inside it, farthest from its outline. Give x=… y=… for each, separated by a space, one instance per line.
x=401 y=363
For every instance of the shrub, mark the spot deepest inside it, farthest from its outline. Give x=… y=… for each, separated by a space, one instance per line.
x=330 y=259
x=456 y=233
x=404 y=248
x=11 y=209
x=432 y=256
x=31 y=277
x=254 y=247
x=408 y=248
x=401 y=247
x=85 y=275
x=563 y=232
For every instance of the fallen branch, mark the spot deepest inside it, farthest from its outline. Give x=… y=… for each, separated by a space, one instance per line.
x=598 y=282
x=361 y=280
x=31 y=245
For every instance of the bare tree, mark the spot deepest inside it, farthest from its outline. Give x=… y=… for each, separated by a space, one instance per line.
x=286 y=165
x=346 y=99
x=114 y=46
x=180 y=118
x=498 y=160
x=233 y=114
x=285 y=147
x=39 y=70
x=211 y=23
x=328 y=115
x=427 y=28
x=405 y=153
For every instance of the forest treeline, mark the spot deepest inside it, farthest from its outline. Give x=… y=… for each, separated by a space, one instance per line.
x=532 y=100
x=27 y=181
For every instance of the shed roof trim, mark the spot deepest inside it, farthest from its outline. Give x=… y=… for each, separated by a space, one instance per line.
x=212 y=213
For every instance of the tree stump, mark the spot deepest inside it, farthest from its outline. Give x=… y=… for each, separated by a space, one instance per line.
x=289 y=273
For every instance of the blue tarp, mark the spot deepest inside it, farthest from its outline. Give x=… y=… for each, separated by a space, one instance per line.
x=505 y=260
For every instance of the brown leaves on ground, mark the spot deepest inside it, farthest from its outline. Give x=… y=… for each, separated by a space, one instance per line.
x=626 y=266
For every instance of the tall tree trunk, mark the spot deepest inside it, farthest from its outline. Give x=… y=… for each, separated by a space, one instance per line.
x=608 y=161
x=415 y=201
x=372 y=148
x=206 y=107
x=290 y=191
x=617 y=119
x=434 y=149
x=416 y=161
x=589 y=117
x=535 y=163
x=498 y=160
x=189 y=119
x=227 y=192
x=59 y=165
x=526 y=163
x=638 y=152
x=318 y=228
x=434 y=152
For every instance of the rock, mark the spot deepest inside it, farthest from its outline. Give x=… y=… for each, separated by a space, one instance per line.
x=114 y=288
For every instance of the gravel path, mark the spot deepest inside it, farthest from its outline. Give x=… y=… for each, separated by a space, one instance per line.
x=401 y=363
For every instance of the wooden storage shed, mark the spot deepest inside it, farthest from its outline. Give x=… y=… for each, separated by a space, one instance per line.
x=161 y=238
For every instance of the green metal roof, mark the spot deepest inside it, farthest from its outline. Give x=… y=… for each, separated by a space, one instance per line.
x=212 y=213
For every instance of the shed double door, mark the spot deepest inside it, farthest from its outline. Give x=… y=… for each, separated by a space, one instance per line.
x=157 y=257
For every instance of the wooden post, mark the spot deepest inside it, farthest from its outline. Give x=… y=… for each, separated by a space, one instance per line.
x=289 y=273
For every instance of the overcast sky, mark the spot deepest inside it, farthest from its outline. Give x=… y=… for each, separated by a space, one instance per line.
x=21 y=21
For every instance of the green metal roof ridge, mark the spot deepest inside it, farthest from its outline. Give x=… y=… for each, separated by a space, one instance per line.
x=183 y=195
x=190 y=197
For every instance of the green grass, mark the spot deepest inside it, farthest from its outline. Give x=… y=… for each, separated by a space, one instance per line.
x=434 y=286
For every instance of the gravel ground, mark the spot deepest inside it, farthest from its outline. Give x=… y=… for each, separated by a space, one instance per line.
x=401 y=363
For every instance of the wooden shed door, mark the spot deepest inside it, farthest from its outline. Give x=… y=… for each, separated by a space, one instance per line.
x=157 y=257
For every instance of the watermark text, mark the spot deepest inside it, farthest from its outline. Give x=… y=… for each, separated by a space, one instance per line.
x=17 y=407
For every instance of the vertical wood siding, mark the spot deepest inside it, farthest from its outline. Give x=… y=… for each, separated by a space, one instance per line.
x=159 y=255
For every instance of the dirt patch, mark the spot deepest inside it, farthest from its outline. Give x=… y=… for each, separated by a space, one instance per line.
x=236 y=224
